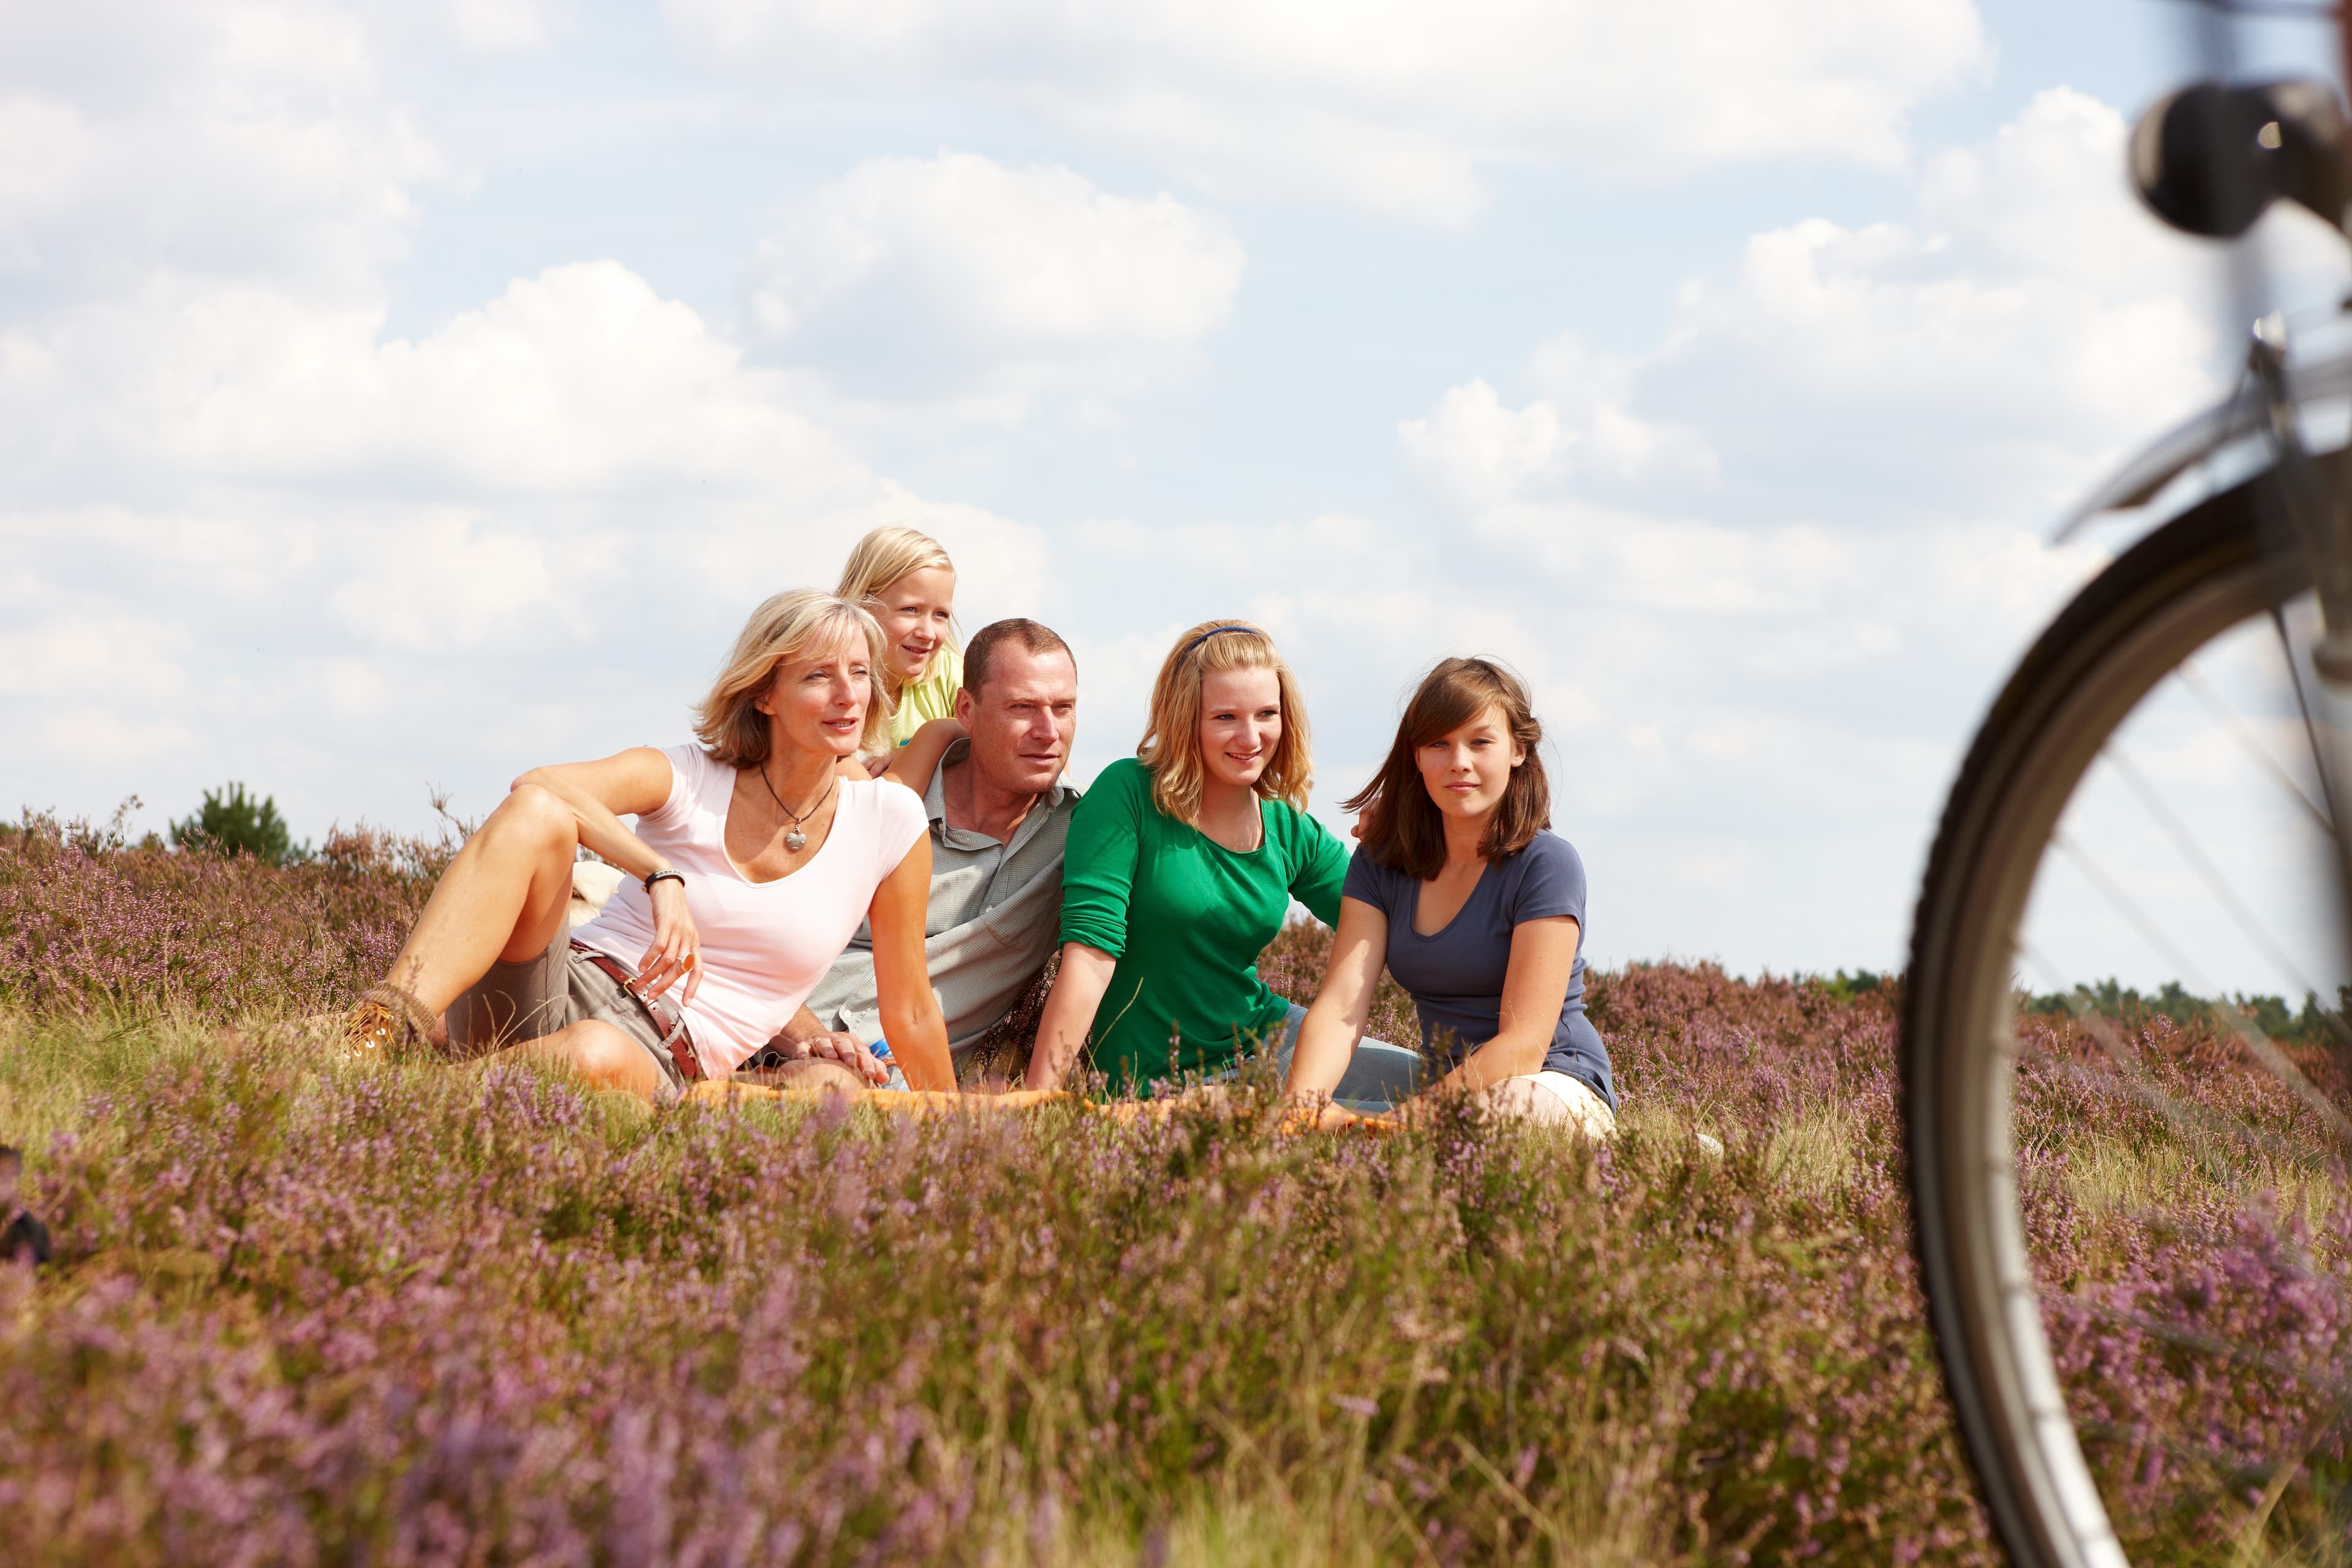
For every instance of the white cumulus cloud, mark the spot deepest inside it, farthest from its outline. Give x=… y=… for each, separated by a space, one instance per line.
x=955 y=273
x=1983 y=355
x=1398 y=107
x=223 y=142
x=1783 y=555
x=255 y=532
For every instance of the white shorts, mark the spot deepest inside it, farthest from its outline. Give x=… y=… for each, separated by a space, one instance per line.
x=1551 y=1096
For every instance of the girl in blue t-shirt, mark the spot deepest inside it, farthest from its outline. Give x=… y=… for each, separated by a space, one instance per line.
x=1459 y=892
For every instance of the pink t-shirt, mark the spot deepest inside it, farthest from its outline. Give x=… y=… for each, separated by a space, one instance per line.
x=764 y=944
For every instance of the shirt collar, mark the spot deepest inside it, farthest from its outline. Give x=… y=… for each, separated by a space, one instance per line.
x=935 y=799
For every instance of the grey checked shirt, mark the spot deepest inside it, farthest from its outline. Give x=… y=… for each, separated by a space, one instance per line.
x=995 y=910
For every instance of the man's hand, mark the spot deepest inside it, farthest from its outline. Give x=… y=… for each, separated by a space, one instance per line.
x=841 y=1047
x=803 y=1038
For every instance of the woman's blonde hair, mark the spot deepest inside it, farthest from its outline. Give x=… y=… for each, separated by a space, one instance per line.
x=786 y=627
x=1170 y=747
x=881 y=558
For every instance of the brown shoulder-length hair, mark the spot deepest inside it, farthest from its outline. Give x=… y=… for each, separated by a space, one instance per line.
x=1170 y=747
x=1400 y=825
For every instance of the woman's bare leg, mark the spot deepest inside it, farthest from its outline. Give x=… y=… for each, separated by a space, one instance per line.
x=1583 y=1110
x=603 y=1054
x=502 y=897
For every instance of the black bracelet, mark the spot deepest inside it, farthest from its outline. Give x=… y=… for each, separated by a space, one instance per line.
x=664 y=876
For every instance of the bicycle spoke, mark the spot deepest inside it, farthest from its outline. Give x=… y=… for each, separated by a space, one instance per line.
x=2320 y=755
x=2192 y=1123
x=2209 y=873
x=2226 y=895
x=2239 y=730
x=2144 y=1088
x=2264 y=1048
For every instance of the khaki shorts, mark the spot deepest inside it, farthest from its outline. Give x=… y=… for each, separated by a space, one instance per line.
x=1554 y=1097
x=518 y=1002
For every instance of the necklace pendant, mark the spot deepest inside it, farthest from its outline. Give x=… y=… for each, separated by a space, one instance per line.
x=796 y=841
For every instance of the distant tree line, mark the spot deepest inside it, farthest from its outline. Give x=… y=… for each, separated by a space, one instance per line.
x=2312 y=1024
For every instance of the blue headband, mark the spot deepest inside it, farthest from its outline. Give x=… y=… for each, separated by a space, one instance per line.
x=1213 y=631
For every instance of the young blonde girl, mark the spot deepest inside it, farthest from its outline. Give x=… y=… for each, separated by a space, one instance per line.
x=907 y=583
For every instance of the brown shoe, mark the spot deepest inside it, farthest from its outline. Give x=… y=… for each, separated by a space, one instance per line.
x=388 y=1019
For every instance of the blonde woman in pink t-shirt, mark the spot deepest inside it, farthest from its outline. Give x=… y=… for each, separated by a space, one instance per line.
x=753 y=863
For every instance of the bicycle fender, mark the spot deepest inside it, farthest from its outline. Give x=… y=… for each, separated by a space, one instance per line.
x=2194 y=440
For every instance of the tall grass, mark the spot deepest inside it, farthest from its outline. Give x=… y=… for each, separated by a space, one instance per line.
x=308 y=1308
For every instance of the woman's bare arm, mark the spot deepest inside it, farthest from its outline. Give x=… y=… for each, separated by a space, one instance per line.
x=911 y=1020
x=599 y=794
x=1078 y=987
x=629 y=784
x=1535 y=985
x=1335 y=1023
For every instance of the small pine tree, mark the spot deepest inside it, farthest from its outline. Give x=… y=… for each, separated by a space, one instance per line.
x=233 y=823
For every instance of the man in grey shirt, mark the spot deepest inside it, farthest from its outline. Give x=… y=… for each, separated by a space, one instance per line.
x=999 y=815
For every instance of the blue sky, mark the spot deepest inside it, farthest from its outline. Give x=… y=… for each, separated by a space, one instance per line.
x=398 y=396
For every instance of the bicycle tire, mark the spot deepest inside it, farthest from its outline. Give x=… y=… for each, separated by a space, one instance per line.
x=2183 y=584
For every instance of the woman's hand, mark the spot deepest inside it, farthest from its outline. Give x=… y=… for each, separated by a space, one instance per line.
x=632 y=783
x=1335 y=1021
x=1316 y=1115
x=1535 y=988
x=677 y=951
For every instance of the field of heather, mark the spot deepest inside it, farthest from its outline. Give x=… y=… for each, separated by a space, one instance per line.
x=311 y=1308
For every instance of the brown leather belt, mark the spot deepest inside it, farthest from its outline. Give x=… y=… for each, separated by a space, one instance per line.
x=669 y=1019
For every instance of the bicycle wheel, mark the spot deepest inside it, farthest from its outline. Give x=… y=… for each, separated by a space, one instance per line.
x=2115 y=1193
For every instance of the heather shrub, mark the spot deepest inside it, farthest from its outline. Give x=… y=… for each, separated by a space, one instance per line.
x=2198 y=1286
x=307 y=1309
x=311 y=1308
x=87 y=921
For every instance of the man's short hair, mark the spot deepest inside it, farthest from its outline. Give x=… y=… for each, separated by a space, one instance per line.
x=980 y=652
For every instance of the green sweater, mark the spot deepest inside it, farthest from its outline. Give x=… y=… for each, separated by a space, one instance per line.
x=1186 y=919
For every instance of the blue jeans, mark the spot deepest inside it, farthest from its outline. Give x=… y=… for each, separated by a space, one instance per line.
x=1380 y=1075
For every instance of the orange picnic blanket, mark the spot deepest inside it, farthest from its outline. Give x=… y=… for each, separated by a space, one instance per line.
x=930 y=1102
x=906 y=1101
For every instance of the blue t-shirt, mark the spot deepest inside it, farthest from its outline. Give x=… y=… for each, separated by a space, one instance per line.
x=1456 y=977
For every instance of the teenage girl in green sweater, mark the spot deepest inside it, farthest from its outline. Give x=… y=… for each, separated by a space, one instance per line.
x=1181 y=864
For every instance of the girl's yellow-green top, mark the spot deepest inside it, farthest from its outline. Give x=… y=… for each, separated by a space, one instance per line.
x=932 y=697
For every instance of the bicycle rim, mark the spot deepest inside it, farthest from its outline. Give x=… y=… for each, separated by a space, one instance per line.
x=2177 y=592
